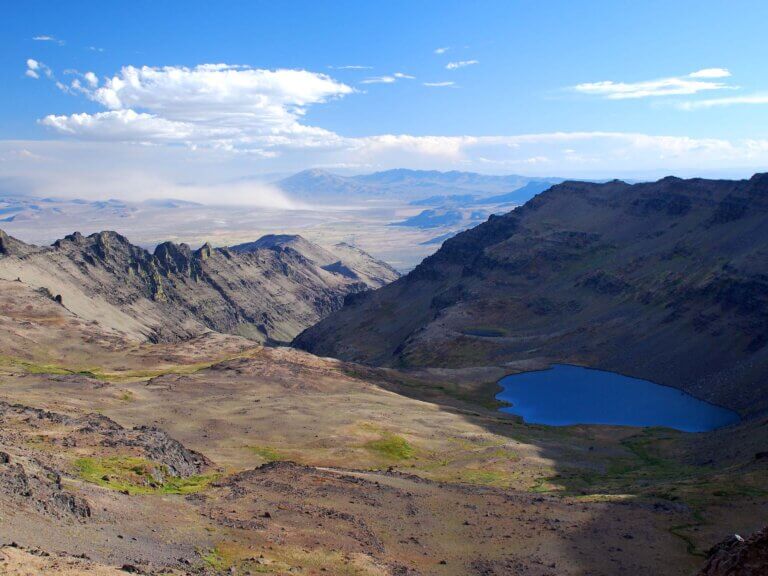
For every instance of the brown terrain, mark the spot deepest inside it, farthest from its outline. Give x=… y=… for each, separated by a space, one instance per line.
x=125 y=448
x=222 y=456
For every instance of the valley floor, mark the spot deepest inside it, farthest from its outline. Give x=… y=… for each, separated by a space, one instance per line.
x=216 y=456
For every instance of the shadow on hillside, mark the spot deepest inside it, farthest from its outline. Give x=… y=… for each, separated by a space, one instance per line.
x=645 y=507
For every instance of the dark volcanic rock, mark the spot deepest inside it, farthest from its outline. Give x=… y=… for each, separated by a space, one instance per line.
x=735 y=556
x=42 y=490
x=178 y=459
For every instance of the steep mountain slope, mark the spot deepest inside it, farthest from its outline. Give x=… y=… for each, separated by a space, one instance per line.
x=519 y=196
x=664 y=280
x=267 y=292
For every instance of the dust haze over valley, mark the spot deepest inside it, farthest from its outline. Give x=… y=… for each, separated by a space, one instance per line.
x=369 y=211
x=383 y=289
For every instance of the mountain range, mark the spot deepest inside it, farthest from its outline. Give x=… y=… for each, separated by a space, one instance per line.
x=268 y=290
x=319 y=185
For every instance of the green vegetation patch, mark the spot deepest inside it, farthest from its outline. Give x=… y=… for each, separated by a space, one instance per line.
x=138 y=375
x=232 y=557
x=485 y=477
x=392 y=447
x=214 y=559
x=138 y=476
x=267 y=453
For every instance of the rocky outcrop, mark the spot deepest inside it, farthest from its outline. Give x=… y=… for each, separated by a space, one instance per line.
x=268 y=290
x=31 y=483
x=159 y=447
x=663 y=280
x=154 y=443
x=34 y=480
x=735 y=556
x=9 y=246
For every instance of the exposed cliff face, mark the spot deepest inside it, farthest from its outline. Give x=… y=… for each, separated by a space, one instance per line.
x=341 y=258
x=665 y=280
x=268 y=293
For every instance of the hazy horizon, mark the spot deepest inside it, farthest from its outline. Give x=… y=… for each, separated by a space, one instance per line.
x=502 y=88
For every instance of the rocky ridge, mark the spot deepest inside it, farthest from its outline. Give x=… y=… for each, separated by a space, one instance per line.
x=266 y=293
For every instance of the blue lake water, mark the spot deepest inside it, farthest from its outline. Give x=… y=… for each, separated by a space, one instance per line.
x=566 y=395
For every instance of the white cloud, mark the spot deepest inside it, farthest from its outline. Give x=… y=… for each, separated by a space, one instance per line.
x=236 y=121
x=675 y=86
x=206 y=173
x=442 y=50
x=91 y=78
x=216 y=105
x=754 y=99
x=711 y=73
x=443 y=147
x=461 y=64
x=95 y=49
x=351 y=67
x=388 y=78
x=35 y=68
x=120 y=125
x=47 y=38
x=379 y=80
x=217 y=89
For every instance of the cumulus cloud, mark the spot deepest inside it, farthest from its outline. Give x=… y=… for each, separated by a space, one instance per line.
x=439 y=84
x=217 y=105
x=693 y=83
x=32 y=69
x=442 y=50
x=117 y=125
x=91 y=78
x=35 y=68
x=217 y=89
x=403 y=76
x=461 y=64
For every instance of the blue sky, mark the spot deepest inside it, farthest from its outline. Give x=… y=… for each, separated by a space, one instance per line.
x=595 y=88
